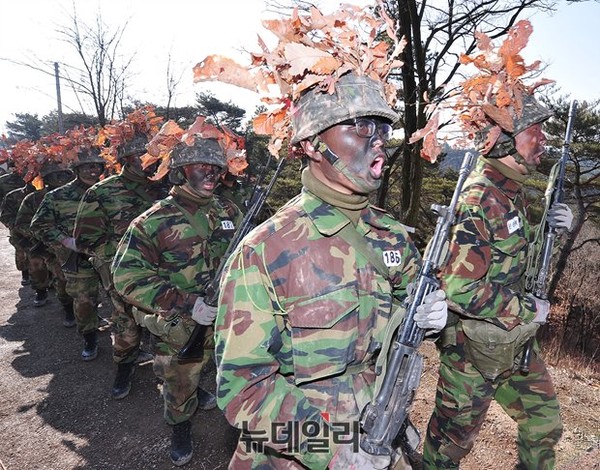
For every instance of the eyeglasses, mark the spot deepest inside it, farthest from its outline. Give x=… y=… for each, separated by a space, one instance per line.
x=367 y=127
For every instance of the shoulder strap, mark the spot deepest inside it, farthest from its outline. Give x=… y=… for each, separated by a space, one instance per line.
x=361 y=244
x=201 y=231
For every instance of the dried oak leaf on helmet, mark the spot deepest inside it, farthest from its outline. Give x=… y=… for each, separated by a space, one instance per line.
x=313 y=50
x=489 y=100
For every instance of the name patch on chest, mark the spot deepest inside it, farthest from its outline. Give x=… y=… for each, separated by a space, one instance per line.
x=514 y=224
x=392 y=258
x=227 y=225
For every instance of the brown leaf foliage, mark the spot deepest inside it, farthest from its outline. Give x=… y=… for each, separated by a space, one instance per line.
x=313 y=49
x=171 y=134
x=492 y=97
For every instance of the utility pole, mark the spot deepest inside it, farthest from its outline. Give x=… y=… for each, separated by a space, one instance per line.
x=61 y=126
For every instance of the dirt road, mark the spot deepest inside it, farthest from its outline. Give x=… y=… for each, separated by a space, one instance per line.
x=56 y=412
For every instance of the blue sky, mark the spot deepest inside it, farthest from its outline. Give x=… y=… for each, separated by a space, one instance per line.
x=568 y=42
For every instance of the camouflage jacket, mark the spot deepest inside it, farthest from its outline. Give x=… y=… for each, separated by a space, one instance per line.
x=162 y=263
x=8 y=183
x=301 y=319
x=488 y=249
x=107 y=209
x=11 y=203
x=55 y=218
x=25 y=214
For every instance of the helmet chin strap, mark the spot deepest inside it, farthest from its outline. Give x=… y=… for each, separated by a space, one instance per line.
x=335 y=161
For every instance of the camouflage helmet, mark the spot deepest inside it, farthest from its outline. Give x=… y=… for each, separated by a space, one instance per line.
x=354 y=96
x=202 y=151
x=135 y=146
x=91 y=155
x=52 y=167
x=532 y=113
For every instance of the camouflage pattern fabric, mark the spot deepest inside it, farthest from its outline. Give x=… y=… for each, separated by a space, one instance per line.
x=301 y=318
x=237 y=193
x=463 y=397
x=483 y=282
x=8 y=214
x=8 y=183
x=54 y=221
x=105 y=212
x=83 y=287
x=107 y=209
x=39 y=271
x=161 y=266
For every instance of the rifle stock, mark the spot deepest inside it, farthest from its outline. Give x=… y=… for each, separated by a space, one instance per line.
x=537 y=284
x=384 y=417
x=193 y=350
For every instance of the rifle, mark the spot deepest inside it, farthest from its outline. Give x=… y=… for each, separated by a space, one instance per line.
x=538 y=270
x=397 y=381
x=193 y=350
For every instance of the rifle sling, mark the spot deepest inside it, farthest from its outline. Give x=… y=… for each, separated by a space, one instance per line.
x=201 y=231
x=360 y=244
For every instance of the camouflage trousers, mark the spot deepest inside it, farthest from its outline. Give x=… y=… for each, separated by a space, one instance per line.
x=21 y=259
x=126 y=332
x=38 y=272
x=463 y=397
x=21 y=254
x=180 y=381
x=83 y=286
x=180 y=386
x=59 y=282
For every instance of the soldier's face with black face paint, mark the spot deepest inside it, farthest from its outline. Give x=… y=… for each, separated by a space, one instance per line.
x=57 y=179
x=89 y=173
x=203 y=177
x=364 y=156
x=530 y=144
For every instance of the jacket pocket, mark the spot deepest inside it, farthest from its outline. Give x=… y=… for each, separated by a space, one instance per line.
x=493 y=350
x=324 y=332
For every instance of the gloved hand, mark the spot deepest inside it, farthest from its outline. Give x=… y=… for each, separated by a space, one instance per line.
x=560 y=216
x=69 y=243
x=432 y=314
x=346 y=459
x=203 y=314
x=542 y=310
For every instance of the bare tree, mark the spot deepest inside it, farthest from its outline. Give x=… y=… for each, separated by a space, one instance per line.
x=104 y=74
x=173 y=81
x=437 y=33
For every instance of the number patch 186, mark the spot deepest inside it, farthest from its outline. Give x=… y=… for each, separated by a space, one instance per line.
x=392 y=258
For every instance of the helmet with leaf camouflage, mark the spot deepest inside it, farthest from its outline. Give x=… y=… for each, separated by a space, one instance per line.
x=201 y=151
x=53 y=167
x=355 y=96
x=91 y=155
x=133 y=146
x=328 y=68
x=494 y=104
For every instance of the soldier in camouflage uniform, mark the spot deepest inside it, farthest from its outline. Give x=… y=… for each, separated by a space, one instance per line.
x=8 y=214
x=13 y=184
x=304 y=305
x=43 y=265
x=54 y=222
x=105 y=212
x=482 y=345
x=166 y=258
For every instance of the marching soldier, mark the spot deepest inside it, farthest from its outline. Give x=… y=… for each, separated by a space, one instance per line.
x=12 y=184
x=105 y=212
x=54 y=222
x=165 y=259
